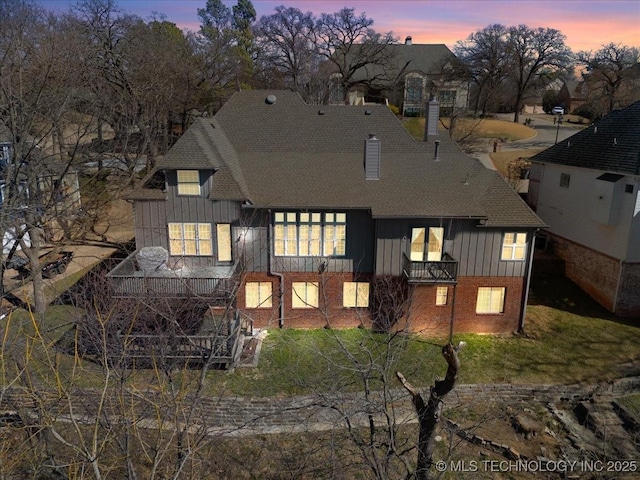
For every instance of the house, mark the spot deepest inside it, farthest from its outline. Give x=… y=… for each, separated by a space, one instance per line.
x=307 y=216
x=572 y=95
x=413 y=74
x=58 y=188
x=586 y=189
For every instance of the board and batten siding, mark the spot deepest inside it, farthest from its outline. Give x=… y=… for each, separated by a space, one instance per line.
x=357 y=259
x=477 y=249
x=568 y=211
x=153 y=216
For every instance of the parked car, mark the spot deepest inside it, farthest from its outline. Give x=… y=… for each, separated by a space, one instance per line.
x=557 y=111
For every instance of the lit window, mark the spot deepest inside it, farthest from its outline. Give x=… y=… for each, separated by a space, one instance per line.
x=190 y=239
x=335 y=234
x=355 y=294
x=223 y=232
x=258 y=295
x=441 y=295
x=309 y=234
x=188 y=182
x=490 y=300
x=514 y=246
x=304 y=295
x=433 y=247
x=565 y=179
x=286 y=234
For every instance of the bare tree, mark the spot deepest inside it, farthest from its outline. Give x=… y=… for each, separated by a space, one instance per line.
x=349 y=44
x=534 y=52
x=608 y=71
x=484 y=54
x=285 y=43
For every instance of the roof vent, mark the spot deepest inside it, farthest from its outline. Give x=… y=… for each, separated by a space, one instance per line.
x=407 y=41
x=367 y=112
x=270 y=100
x=436 y=153
x=595 y=129
x=615 y=141
x=320 y=112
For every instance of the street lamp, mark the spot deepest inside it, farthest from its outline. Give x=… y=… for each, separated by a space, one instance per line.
x=558 y=126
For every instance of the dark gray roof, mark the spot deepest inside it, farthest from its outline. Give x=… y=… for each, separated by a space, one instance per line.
x=610 y=145
x=292 y=155
x=428 y=59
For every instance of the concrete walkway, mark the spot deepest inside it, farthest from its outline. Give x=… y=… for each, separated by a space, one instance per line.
x=545 y=137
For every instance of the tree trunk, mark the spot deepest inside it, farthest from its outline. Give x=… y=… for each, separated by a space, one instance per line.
x=429 y=410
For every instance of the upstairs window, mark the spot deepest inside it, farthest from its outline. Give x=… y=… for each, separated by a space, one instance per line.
x=430 y=245
x=335 y=234
x=309 y=234
x=223 y=237
x=565 y=180
x=188 y=182
x=514 y=246
x=190 y=239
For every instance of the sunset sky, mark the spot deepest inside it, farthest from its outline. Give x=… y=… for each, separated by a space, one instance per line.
x=587 y=24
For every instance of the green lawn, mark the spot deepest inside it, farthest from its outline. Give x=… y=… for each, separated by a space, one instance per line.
x=568 y=339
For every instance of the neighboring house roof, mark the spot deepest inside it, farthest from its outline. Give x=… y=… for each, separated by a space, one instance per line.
x=428 y=59
x=611 y=145
x=292 y=155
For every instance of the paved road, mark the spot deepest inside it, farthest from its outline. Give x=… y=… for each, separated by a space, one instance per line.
x=546 y=132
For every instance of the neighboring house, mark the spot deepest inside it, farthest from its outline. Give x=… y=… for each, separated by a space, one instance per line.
x=58 y=186
x=415 y=73
x=307 y=216
x=572 y=95
x=586 y=189
x=533 y=100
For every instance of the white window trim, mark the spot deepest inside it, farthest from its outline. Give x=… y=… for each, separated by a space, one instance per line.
x=311 y=234
x=186 y=186
x=510 y=249
x=202 y=244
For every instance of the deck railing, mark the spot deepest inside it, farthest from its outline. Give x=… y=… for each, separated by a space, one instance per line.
x=444 y=271
x=221 y=347
x=127 y=281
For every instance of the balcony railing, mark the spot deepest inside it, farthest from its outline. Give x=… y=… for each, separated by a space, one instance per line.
x=209 y=282
x=444 y=271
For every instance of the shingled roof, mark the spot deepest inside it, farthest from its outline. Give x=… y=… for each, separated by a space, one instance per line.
x=287 y=154
x=610 y=145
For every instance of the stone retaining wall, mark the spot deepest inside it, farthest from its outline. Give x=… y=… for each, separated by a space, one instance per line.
x=244 y=415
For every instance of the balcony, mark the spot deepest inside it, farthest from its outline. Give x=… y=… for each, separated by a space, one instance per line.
x=444 y=271
x=216 y=283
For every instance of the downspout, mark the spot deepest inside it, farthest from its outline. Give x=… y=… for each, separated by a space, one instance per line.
x=276 y=274
x=527 y=283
